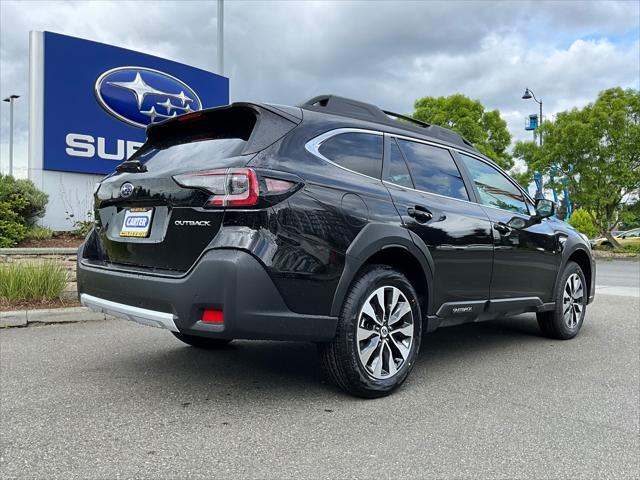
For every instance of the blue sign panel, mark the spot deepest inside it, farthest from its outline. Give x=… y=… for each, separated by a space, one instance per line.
x=98 y=99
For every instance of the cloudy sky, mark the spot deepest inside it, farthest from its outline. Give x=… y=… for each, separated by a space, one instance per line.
x=388 y=53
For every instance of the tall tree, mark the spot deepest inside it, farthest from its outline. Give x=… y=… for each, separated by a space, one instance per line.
x=596 y=151
x=485 y=129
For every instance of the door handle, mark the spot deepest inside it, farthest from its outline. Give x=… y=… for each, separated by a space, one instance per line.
x=502 y=227
x=421 y=214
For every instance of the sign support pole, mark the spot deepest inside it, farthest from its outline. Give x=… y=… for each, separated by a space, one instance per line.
x=36 y=107
x=220 y=37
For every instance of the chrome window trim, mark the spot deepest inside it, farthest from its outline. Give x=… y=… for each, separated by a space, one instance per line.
x=313 y=146
x=387 y=182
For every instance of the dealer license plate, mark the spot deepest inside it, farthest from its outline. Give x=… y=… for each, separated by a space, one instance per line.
x=137 y=222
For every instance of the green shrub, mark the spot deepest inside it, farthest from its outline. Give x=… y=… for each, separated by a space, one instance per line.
x=21 y=203
x=581 y=221
x=12 y=228
x=38 y=232
x=36 y=281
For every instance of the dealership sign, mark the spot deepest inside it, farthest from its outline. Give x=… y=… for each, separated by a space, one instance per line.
x=98 y=99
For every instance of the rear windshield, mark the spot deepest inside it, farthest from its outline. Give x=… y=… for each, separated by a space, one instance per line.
x=214 y=139
x=193 y=156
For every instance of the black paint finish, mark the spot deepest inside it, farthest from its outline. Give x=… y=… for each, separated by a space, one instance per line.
x=305 y=247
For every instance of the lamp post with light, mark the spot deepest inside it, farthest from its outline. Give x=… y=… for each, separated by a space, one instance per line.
x=527 y=95
x=11 y=99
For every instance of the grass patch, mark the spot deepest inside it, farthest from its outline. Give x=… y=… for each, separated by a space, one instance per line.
x=31 y=282
x=39 y=233
x=631 y=248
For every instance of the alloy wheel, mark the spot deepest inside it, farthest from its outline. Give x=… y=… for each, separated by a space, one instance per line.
x=385 y=332
x=573 y=301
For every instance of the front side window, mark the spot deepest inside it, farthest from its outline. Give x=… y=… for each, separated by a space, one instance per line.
x=360 y=152
x=494 y=188
x=433 y=169
x=398 y=172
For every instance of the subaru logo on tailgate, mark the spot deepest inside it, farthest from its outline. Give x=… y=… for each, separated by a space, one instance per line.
x=126 y=189
x=141 y=96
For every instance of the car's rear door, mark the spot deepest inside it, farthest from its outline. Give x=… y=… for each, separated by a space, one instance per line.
x=431 y=197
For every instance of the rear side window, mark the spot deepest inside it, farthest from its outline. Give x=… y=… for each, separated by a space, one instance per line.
x=360 y=152
x=398 y=172
x=433 y=169
x=495 y=189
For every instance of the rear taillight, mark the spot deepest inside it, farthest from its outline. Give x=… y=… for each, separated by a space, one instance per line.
x=235 y=187
x=231 y=187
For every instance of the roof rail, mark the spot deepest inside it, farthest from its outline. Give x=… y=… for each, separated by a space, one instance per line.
x=348 y=107
x=407 y=118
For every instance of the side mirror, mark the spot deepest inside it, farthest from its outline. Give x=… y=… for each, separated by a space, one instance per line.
x=544 y=208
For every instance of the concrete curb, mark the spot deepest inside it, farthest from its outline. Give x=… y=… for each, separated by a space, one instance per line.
x=39 y=251
x=24 y=318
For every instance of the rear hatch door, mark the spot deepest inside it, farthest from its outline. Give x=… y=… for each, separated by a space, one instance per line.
x=144 y=218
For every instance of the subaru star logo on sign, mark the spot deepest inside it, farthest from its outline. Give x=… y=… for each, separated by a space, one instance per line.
x=98 y=99
x=140 y=96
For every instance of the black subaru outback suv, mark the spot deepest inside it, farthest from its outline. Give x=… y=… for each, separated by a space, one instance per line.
x=333 y=222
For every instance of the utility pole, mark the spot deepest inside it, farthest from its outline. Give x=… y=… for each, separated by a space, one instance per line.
x=220 y=22
x=11 y=99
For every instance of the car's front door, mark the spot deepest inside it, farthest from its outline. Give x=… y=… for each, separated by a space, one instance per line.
x=430 y=196
x=526 y=257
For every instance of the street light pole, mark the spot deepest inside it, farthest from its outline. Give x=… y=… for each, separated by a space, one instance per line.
x=11 y=99
x=527 y=95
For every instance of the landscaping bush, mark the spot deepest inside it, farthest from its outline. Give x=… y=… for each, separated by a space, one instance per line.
x=21 y=203
x=31 y=282
x=12 y=228
x=581 y=221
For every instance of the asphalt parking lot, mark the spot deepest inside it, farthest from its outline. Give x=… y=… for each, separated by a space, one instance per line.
x=495 y=400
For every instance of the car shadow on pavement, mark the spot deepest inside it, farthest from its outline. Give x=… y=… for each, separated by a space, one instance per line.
x=293 y=368
x=278 y=369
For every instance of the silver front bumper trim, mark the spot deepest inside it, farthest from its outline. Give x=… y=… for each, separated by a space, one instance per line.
x=143 y=316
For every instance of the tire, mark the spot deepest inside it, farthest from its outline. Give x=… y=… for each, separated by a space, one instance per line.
x=202 y=342
x=353 y=360
x=570 y=299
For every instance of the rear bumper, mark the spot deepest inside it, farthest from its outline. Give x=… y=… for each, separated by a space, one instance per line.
x=230 y=280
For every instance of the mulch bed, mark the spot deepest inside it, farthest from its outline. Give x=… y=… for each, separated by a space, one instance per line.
x=37 y=305
x=608 y=254
x=61 y=240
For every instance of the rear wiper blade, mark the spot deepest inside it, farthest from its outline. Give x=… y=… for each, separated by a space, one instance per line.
x=133 y=166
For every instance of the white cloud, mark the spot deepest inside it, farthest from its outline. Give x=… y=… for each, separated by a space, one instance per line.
x=389 y=53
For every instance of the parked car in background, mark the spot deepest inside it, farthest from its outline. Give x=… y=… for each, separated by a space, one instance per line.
x=334 y=222
x=626 y=238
